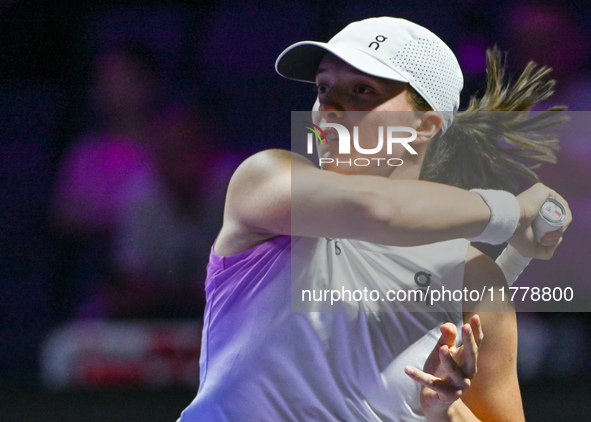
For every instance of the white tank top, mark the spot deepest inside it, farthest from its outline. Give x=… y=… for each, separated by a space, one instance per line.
x=264 y=359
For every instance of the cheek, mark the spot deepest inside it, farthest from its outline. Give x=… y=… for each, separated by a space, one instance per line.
x=396 y=112
x=374 y=127
x=400 y=102
x=369 y=135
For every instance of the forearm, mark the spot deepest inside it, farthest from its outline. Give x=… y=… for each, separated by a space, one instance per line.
x=421 y=212
x=379 y=210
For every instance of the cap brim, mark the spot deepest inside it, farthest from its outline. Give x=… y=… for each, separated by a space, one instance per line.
x=300 y=61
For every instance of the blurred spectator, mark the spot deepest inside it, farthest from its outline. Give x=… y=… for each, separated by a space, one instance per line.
x=125 y=109
x=134 y=195
x=168 y=222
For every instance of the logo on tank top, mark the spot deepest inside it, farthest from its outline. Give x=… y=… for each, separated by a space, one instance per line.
x=337 y=245
x=423 y=280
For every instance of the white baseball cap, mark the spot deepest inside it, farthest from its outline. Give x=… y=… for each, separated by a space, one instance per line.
x=390 y=48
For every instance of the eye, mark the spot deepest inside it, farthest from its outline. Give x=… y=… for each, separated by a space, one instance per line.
x=320 y=88
x=363 y=89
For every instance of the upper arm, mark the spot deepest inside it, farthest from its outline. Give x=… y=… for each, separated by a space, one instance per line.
x=494 y=394
x=276 y=192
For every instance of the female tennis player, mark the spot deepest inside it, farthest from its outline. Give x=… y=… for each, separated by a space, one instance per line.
x=386 y=229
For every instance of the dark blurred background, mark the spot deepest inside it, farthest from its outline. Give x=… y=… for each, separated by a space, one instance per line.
x=120 y=124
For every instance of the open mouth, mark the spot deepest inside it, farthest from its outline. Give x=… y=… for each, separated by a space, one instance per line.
x=331 y=134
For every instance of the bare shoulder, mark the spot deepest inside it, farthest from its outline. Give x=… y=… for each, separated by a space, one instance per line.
x=258 y=201
x=262 y=168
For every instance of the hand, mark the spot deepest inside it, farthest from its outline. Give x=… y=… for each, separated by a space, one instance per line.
x=523 y=239
x=448 y=370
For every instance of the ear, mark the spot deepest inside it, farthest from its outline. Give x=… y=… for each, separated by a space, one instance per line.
x=429 y=126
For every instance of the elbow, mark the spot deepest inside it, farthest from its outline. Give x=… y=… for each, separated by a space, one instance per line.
x=384 y=219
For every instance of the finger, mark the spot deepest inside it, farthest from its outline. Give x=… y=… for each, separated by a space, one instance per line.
x=569 y=214
x=426 y=380
x=423 y=378
x=447 y=392
x=470 y=351
x=551 y=238
x=454 y=371
x=476 y=325
x=547 y=252
x=563 y=228
x=447 y=338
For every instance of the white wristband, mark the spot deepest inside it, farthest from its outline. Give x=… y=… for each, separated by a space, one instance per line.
x=512 y=263
x=504 y=216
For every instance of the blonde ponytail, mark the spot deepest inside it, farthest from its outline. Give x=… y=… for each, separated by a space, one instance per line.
x=487 y=144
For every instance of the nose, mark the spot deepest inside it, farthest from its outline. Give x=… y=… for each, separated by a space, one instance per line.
x=328 y=108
